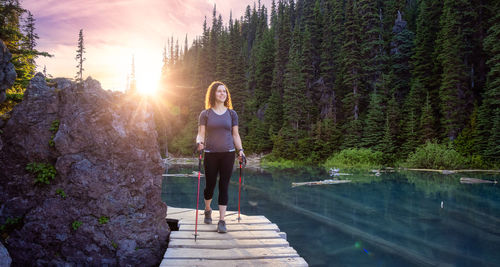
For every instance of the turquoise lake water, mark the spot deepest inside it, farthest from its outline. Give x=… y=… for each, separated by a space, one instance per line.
x=395 y=219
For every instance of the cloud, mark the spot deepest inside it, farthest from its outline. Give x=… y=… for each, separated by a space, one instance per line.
x=114 y=30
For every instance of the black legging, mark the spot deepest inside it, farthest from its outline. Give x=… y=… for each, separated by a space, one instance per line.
x=218 y=163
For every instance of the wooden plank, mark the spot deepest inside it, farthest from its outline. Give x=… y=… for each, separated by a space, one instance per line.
x=231 y=220
x=234 y=227
x=231 y=254
x=190 y=214
x=278 y=262
x=174 y=210
x=227 y=244
x=225 y=236
x=252 y=241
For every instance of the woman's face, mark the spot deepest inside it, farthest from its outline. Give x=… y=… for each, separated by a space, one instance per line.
x=221 y=94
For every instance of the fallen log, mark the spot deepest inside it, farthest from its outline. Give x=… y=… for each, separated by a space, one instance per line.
x=467 y=180
x=329 y=181
x=194 y=174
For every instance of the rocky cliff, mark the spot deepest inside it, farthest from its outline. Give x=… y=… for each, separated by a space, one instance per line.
x=80 y=178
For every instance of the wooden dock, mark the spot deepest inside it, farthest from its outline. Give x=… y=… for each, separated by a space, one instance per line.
x=253 y=241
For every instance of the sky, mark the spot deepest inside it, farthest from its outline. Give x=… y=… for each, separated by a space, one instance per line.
x=117 y=30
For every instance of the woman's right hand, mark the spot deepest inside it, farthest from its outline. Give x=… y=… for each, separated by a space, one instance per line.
x=200 y=147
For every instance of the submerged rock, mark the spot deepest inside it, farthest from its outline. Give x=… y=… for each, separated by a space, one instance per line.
x=104 y=205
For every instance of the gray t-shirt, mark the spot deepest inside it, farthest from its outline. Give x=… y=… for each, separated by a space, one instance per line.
x=218 y=130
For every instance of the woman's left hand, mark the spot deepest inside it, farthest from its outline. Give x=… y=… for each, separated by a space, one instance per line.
x=241 y=156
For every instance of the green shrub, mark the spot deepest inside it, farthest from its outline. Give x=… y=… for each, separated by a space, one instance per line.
x=15 y=97
x=476 y=161
x=436 y=156
x=103 y=220
x=184 y=143
x=9 y=223
x=114 y=245
x=355 y=158
x=61 y=192
x=76 y=224
x=53 y=128
x=279 y=163
x=51 y=141
x=44 y=172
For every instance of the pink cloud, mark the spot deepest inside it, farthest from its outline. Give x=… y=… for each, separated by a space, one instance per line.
x=119 y=26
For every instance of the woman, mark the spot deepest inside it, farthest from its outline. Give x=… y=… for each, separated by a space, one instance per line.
x=218 y=136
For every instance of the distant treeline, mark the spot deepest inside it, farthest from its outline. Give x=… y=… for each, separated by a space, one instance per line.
x=17 y=31
x=313 y=77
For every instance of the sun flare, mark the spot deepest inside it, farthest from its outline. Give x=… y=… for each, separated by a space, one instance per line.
x=147 y=80
x=147 y=85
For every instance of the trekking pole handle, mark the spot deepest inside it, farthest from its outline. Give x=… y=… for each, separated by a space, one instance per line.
x=243 y=161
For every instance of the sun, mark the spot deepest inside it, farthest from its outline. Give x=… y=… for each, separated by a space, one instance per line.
x=147 y=85
x=147 y=75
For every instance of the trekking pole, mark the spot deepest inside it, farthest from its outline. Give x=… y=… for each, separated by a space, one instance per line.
x=243 y=161
x=198 y=196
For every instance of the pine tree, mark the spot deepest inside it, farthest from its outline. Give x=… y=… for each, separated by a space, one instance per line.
x=80 y=51
x=330 y=61
x=427 y=123
x=185 y=47
x=454 y=53
x=31 y=36
x=133 y=84
x=164 y=72
x=204 y=64
x=294 y=98
x=371 y=45
x=393 y=113
x=351 y=64
x=387 y=144
x=409 y=100
x=424 y=78
x=294 y=101
x=282 y=46
x=236 y=65
x=401 y=53
x=264 y=67
x=487 y=141
x=274 y=16
x=308 y=62
x=492 y=151
x=176 y=52
x=20 y=37
x=374 y=123
x=221 y=68
x=10 y=30
x=410 y=135
x=274 y=114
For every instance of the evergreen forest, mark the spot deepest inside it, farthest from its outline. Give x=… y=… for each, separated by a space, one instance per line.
x=312 y=78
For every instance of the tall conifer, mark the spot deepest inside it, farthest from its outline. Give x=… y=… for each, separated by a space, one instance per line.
x=80 y=51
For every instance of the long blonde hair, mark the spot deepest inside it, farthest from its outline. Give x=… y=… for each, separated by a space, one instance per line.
x=210 y=95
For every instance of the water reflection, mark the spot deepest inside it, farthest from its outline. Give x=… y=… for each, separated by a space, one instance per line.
x=395 y=219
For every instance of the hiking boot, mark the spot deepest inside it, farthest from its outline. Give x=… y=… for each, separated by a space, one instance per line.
x=208 y=217
x=221 y=227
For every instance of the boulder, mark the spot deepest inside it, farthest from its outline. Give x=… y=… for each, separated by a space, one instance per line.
x=103 y=207
x=5 y=259
x=7 y=71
